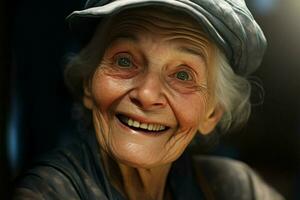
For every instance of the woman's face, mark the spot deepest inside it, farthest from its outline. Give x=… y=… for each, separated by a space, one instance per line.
x=149 y=94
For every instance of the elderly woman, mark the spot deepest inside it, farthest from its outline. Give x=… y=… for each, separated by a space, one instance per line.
x=152 y=75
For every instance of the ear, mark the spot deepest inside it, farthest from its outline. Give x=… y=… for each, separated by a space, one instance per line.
x=87 y=95
x=211 y=119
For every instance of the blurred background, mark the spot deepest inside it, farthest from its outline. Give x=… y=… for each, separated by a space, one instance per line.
x=35 y=106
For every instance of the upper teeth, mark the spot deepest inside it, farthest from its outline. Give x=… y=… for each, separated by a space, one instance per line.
x=150 y=127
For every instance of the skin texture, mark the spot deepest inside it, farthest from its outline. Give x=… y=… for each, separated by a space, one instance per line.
x=154 y=74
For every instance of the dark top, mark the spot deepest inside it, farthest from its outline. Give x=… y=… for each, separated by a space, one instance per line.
x=76 y=172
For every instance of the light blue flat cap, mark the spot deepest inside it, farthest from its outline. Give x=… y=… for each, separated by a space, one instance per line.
x=229 y=23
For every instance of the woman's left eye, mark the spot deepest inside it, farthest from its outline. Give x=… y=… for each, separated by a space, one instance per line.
x=183 y=75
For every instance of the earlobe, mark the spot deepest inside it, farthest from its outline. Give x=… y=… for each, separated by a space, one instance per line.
x=211 y=120
x=87 y=96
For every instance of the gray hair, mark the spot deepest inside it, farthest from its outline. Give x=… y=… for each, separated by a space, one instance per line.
x=231 y=92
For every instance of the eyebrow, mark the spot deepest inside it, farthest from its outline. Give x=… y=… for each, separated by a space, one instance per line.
x=124 y=36
x=192 y=51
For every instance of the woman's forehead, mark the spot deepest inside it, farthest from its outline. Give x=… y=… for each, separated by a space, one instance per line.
x=135 y=26
x=176 y=26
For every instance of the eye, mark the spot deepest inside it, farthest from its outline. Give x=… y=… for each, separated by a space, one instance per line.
x=123 y=60
x=183 y=75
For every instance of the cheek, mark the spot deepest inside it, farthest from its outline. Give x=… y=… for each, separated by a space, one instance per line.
x=190 y=110
x=106 y=91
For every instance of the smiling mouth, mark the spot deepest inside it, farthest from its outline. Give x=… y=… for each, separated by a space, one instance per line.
x=140 y=126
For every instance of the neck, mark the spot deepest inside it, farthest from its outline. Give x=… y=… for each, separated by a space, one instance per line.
x=140 y=183
x=137 y=183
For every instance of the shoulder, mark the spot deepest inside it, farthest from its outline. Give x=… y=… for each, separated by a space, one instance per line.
x=226 y=178
x=45 y=182
x=63 y=174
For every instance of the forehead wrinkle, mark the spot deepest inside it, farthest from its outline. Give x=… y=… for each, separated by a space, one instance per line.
x=128 y=28
x=125 y=30
x=158 y=21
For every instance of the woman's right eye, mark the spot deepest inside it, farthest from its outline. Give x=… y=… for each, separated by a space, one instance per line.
x=123 y=60
x=121 y=64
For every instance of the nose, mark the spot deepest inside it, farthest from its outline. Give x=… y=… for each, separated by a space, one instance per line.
x=148 y=93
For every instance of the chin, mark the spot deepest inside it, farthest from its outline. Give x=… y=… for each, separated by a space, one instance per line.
x=137 y=158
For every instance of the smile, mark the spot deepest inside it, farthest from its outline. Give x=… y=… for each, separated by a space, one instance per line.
x=140 y=125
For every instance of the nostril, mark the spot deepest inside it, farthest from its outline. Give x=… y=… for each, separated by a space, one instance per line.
x=136 y=102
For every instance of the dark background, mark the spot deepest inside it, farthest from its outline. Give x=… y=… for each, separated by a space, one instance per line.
x=35 y=106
